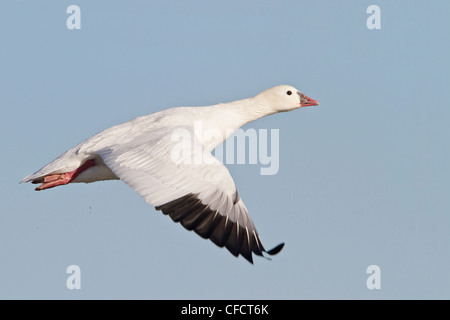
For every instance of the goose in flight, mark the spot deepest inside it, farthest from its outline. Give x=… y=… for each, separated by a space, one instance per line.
x=183 y=180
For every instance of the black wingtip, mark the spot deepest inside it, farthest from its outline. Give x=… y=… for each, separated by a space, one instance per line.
x=275 y=250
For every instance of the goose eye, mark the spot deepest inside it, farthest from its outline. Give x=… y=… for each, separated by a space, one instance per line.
x=289 y=93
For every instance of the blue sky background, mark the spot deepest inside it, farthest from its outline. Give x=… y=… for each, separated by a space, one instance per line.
x=363 y=179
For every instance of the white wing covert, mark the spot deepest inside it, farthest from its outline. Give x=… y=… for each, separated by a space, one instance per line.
x=189 y=184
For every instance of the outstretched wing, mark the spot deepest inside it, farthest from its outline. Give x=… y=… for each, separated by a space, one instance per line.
x=171 y=170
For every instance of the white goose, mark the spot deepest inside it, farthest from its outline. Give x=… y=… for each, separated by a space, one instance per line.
x=200 y=195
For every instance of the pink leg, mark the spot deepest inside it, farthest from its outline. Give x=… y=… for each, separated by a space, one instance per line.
x=64 y=178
